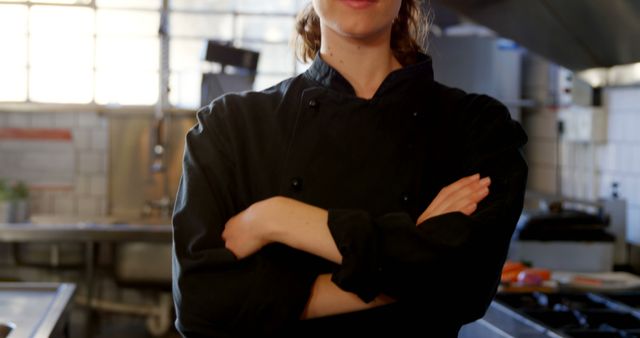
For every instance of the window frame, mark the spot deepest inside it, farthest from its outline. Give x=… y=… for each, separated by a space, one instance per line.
x=29 y=105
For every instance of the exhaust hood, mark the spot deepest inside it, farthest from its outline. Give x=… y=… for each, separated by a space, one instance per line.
x=576 y=34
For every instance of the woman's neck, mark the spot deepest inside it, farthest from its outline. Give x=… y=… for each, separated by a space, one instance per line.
x=365 y=63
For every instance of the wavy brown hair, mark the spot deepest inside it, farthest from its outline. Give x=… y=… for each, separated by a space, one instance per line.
x=408 y=32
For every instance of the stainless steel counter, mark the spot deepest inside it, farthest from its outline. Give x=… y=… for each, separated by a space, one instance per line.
x=85 y=232
x=502 y=322
x=34 y=310
x=89 y=234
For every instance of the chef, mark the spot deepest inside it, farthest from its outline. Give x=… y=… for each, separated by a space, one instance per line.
x=360 y=198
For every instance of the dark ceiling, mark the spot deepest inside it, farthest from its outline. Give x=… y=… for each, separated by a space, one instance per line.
x=577 y=34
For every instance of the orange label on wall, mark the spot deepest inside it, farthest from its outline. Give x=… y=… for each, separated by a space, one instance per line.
x=35 y=134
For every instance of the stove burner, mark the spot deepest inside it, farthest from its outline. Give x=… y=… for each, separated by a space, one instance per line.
x=580 y=315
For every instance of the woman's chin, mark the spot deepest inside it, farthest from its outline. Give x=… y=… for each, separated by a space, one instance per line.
x=361 y=32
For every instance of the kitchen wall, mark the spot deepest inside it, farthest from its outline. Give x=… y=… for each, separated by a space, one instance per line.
x=133 y=186
x=619 y=160
x=589 y=169
x=68 y=175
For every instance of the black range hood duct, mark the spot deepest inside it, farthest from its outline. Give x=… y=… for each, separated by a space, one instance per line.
x=577 y=34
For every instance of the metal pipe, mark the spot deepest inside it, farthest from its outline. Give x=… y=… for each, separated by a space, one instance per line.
x=159 y=131
x=158 y=315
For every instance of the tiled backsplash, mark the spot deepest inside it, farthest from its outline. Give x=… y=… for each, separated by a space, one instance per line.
x=620 y=159
x=588 y=169
x=82 y=192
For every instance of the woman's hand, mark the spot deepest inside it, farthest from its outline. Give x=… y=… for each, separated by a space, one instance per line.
x=326 y=298
x=462 y=195
x=247 y=232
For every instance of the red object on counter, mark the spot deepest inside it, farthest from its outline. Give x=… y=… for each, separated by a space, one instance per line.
x=533 y=276
x=511 y=270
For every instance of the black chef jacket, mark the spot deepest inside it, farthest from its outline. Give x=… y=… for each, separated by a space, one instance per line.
x=375 y=165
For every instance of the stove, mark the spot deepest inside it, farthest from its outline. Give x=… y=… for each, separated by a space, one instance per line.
x=579 y=315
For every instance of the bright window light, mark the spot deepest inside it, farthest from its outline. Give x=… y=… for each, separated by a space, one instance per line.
x=109 y=54
x=69 y=51
x=211 y=5
x=62 y=2
x=14 y=50
x=187 y=54
x=57 y=21
x=60 y=84
x=121 y=87
x=146 y=4
x=185 y=88
x=61 y=54
x=13 y=19
x=269 y=29
x=65 y=2
x=13 y=84
x=132 y=55
x=127 y=23
x=272 y=6
x=202 y=26
x=13 y=36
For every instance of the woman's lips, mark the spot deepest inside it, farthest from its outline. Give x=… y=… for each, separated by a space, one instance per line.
x=359 y=4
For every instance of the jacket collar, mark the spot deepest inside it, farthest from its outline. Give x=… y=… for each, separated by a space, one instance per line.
x=417 y=75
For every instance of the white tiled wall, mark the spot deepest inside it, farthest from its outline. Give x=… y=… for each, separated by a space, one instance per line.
x=87 y=193
x=541 y=150
x=620 y=159
x=18 y=120
x=589 y=170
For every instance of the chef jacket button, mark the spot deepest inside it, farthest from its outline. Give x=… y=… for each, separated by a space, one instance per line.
x=296 y=184
x=404 y=198
x=415 y=114
x=313 y=103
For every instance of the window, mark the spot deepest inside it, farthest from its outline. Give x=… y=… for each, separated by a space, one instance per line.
x=127 y=56
x=108 y=51
x=13 y=59
x=264 y=26
x=60 y=62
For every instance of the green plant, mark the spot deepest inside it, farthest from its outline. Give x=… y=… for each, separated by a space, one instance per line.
x=20 y=191
x=5 y=191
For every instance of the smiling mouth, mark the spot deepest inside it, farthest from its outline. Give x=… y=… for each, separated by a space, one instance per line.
x=359 y=4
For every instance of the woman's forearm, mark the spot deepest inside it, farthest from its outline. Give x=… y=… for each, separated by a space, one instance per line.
x=284 y=220
x=328 y=299
x=304 y=227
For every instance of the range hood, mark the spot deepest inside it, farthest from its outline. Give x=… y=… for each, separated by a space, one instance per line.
x=576 y=34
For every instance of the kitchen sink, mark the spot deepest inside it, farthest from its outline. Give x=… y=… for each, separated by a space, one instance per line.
x=34 y=310
x=5 y=329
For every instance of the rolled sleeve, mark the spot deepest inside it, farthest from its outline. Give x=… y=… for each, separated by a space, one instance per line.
x=357 y=242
